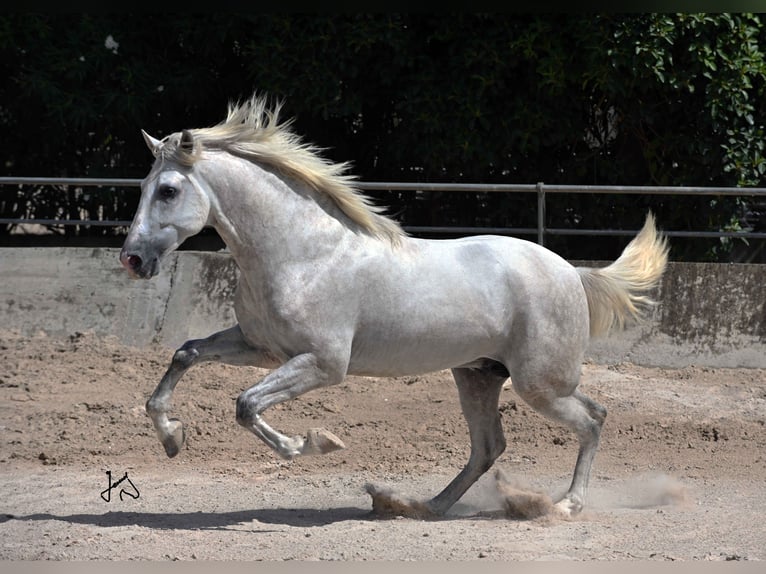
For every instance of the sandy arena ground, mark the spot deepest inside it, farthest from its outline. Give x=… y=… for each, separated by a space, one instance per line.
x=680 y=475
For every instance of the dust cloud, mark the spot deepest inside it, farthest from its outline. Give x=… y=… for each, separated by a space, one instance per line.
x=503 y=497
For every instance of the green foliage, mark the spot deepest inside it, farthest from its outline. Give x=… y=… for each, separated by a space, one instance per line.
x=624 y=99
x=692 y=83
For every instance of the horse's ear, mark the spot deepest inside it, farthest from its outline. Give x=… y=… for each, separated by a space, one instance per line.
x=187 y=141
x=154 y=144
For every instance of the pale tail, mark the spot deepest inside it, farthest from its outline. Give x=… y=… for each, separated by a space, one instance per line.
x=619 y=293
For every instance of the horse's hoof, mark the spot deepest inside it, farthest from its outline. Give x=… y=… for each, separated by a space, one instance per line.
x=175 y=439
x=321 y=441
x=387 y=504
x=569 y=506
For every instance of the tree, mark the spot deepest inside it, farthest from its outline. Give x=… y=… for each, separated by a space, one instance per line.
x=631 y=99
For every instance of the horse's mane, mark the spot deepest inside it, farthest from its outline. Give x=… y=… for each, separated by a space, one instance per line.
x=253 y=131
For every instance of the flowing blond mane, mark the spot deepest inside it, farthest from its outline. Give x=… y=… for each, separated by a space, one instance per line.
x=253 y=131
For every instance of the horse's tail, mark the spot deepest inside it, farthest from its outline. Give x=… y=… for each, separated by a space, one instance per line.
x=617 y=294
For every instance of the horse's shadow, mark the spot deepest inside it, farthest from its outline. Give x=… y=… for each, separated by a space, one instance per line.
x=301 y=517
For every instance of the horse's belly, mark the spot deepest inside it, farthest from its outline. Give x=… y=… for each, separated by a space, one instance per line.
x=413 y=353
x=399 y=366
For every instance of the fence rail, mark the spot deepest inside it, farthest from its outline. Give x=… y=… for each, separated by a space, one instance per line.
x=540 y=189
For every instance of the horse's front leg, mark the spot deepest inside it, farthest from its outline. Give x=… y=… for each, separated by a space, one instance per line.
x=226 y=346
x=297 y=376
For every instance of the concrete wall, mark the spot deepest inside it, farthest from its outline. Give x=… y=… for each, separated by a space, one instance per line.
x=710 y=314
x=63 y=290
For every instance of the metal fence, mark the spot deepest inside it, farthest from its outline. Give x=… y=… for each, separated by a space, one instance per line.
x=541 y=190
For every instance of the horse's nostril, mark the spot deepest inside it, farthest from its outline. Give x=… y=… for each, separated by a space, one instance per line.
x=134 y=261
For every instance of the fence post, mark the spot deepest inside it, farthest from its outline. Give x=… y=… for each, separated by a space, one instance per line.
x=540 y=213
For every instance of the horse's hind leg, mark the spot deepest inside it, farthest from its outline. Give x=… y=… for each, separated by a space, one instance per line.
x=226 y=346
x=479 y=391
x=585 y=417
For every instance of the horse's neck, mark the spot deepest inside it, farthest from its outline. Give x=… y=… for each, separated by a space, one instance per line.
x=267 y=220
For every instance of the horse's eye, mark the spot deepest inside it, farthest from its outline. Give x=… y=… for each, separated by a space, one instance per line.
x=167 y=192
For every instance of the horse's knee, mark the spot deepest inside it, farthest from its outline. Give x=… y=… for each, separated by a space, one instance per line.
x=245 y=411
x=185 y=356
x=153 y=406
x=598 y=412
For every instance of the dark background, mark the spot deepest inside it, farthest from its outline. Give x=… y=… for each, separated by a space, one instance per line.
x=577 y=99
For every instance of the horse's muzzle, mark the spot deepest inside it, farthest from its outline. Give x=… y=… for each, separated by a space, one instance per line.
x=137 y=266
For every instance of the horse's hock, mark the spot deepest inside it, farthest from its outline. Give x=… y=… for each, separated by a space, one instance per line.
x=709 y=314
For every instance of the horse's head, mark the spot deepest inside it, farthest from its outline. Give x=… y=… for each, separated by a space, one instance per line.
x=174 y=205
